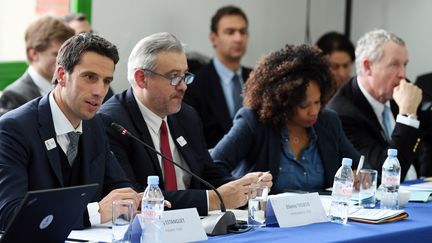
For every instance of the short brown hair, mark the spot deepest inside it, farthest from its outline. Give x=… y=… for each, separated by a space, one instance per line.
x=279 y=82
x=71 y=51
x=43 y=31
x=224 y=11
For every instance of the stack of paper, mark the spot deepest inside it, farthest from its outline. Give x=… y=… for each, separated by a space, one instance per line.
x=376 y=216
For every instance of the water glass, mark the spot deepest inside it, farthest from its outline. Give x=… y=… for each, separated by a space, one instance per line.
x=368 y=188
x=257 y=202
x=122 y=217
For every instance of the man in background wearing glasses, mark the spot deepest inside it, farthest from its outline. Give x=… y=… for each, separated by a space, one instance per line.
x=152 y=110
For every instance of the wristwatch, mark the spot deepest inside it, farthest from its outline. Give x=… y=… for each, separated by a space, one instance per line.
x=410 y=115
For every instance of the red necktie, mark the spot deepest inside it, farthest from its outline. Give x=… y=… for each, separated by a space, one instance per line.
x=170 y=176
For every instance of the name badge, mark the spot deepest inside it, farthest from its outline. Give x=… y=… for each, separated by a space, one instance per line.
x=181 y=141
x=182 y=225
x=295 y=210
x=50 y=144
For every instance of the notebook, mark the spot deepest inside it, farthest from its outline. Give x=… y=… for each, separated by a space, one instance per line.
x=48 y=215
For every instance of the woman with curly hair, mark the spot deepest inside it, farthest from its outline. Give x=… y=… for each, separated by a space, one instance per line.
x=283 y=127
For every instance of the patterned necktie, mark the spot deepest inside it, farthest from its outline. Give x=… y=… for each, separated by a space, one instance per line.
x=170 y=176
x=387 y=122
x=72 y=149
x=236 y=93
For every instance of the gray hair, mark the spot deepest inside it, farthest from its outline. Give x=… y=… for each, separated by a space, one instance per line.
x=143 y=55
x=371 y=46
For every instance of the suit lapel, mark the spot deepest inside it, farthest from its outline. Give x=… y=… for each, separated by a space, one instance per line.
x=142 y=129
x=217 y=99
x=48 y=137
x=176 y=132
x=274 y=145
x=367 y=112
x=89 y=155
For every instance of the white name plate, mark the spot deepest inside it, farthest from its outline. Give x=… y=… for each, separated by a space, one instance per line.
x=295 y=210
x=182 y=225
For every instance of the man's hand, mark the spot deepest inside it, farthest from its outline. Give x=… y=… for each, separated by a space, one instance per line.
x=235 y=193
x=407 y=96
x=105 y=205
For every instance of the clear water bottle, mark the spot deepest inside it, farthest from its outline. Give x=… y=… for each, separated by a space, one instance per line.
x=390 y=181
x=152 y=208
x=342 y=191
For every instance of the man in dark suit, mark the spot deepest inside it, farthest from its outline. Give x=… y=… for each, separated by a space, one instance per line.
x=54 y=141
x=43 y=39
x=152 y=109
x=379 y=108
x=216 y=91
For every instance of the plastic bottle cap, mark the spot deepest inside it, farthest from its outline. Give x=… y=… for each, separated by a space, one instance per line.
x=153 y=180
x=347 y=162
x=392 y=152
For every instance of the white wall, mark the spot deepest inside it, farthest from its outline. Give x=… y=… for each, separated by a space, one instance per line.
x=409 y=19
x=14 y=18
x=272 y=24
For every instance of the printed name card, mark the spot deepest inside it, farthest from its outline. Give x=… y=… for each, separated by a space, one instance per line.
x=182 y=225
x=295 y=210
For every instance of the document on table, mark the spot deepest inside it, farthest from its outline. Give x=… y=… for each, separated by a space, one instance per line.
x=93 y=234
x=376 y=216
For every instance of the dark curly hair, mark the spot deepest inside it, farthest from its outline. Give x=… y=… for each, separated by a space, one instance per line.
x=278 y=83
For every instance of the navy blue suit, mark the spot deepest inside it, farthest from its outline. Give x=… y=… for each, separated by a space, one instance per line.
x=206 y=96
x=27 y=163
x=139 y=162
x=251 y=145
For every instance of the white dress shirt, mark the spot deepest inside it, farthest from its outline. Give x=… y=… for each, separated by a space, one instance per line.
x=43 y=84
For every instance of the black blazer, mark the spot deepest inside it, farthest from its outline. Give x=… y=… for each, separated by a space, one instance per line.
x=139 y=162
x=18 y=93
x=251 y=145
x=365 y=132
x=27 y=163
x=205 y=94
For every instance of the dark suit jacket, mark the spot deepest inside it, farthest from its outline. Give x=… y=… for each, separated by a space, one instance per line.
x=205 y=94
x=18 y=93
x=365 y=132
x=26 y=164
x=139 y=162
x=254 y=146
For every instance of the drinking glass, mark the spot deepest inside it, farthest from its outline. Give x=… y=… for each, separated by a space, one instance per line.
x=122 y=217
x=257 y=202
x=368 y=188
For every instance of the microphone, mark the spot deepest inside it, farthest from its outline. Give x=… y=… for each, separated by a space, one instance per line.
x=214 y=224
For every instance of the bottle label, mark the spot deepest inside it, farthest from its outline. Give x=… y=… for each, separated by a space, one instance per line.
x=342 y=190
x=390 y=180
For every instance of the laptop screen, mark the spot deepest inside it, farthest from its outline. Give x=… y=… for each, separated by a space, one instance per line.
x=48 y=215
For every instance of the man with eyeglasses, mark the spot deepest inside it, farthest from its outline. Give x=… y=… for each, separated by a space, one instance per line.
x=152 y=110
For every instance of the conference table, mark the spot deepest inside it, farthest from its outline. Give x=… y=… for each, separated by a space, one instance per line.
x=416 y=228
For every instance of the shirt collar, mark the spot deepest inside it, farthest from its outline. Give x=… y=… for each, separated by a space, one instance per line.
x=61 y=124
x=312 y=135
x=43 y=84
x=224 y=72
x=153 y=121
x=377 y=106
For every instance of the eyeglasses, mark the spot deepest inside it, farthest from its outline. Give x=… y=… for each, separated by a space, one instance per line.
x=187 y=78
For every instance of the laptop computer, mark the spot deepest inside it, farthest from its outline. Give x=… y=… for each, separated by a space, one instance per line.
x=48 y=215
